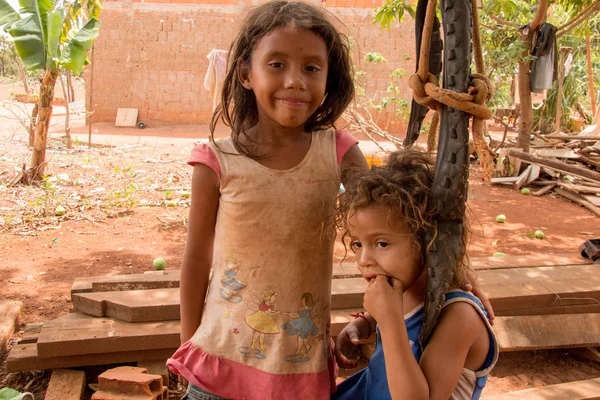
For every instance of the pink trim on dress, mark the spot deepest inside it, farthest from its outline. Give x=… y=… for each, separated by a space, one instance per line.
x=343 y=142
x=204 y=154
x=234 y=380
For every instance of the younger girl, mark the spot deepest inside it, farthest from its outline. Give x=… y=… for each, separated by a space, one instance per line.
x=385 y=215
x=262 y=214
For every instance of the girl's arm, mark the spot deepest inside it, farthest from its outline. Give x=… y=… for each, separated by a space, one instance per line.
x=404 y=376
x=197 y=258
x=354 y=159
x=460 y=340
x=454 y=346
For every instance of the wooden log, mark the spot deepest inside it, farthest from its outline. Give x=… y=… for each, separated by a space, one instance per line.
x=572 y=137
x=557 y=165
x=579 y=390
x=579 y=200
x=25 y=357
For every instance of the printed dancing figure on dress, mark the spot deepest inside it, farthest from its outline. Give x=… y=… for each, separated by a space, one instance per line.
x=303 y=326
x=231 y=285
x=261 y=322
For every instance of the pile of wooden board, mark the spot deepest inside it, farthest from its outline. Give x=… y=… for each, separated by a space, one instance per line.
x=541 y=302
x=566 y=165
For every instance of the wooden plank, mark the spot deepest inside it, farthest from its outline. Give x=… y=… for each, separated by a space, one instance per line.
x=65 y=384
x=594 y=199
x=530 y=260
x=579 y=200
x=579 y=390
x=538 y=332
x=588 y=353
x=10 y=312
x=347 y=293
x=507 y=180
x=130 y=306
x=534 y=174
x=31 y=332
x=24 y=357
x=557 y=165
x=534 y=274
x=558 y=153
x=578 y=188
x=508 y=289
x=523 y=178
x=163 y=279
x=350 y=269
x=76 y=334
x=126 y=117
x=576 y=309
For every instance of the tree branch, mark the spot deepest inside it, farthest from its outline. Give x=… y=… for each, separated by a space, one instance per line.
x=503 y=22
x=581 y=17
x=541 y=13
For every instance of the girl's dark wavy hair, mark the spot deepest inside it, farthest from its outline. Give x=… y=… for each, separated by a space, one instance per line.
x=238 y=108
x=403 y=184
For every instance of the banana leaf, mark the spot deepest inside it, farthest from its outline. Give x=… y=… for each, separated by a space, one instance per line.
x=74 y=55
x=29 y=32
x=8 y=15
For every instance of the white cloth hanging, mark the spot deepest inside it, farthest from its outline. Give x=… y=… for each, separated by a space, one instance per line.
x=215 y=75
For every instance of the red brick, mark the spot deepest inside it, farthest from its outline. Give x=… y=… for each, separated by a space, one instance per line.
x=129 y=383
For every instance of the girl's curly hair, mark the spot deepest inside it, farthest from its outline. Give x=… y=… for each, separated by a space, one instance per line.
x=238 y=108
x=403 y=184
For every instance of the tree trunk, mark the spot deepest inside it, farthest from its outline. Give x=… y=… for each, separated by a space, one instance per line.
x=22 y=74
x=524 y=77
x=70 y=87
x=561 y=78
x=66 y=95
x=32 y=124
x=38 y=158
x=590 y=74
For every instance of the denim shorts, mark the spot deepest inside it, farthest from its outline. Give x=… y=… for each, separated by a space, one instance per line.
x=196 y=393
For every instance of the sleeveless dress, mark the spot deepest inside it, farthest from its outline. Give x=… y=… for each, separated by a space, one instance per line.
x=273 y=250
x=371 y=382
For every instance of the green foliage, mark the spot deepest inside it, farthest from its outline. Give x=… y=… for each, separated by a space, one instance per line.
x=52 y=35
x=503 y=50
x=375 y=58
x=393 y=10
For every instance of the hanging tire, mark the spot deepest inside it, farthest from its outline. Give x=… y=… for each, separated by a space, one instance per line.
x=449 y=190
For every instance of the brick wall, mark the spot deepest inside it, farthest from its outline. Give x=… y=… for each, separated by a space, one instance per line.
x=152 y=56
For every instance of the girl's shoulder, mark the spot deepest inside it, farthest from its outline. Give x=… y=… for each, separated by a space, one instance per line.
x=342 y=140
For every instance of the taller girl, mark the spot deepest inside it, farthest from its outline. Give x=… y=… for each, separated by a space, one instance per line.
x=262 y=212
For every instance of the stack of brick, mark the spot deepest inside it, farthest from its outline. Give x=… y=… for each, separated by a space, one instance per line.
x=130 y=383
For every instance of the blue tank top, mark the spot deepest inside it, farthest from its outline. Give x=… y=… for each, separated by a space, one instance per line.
x=371 y=382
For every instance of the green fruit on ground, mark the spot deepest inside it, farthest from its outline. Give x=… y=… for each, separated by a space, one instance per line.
x=539 y=234
x=159 y=263
x=501 y=218
x=498 y=254
x=185 y=195
x=60 y=210
x=171 y=203
x=525 y=191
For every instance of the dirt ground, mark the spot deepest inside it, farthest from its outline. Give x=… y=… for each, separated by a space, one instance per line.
x=125 y=203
